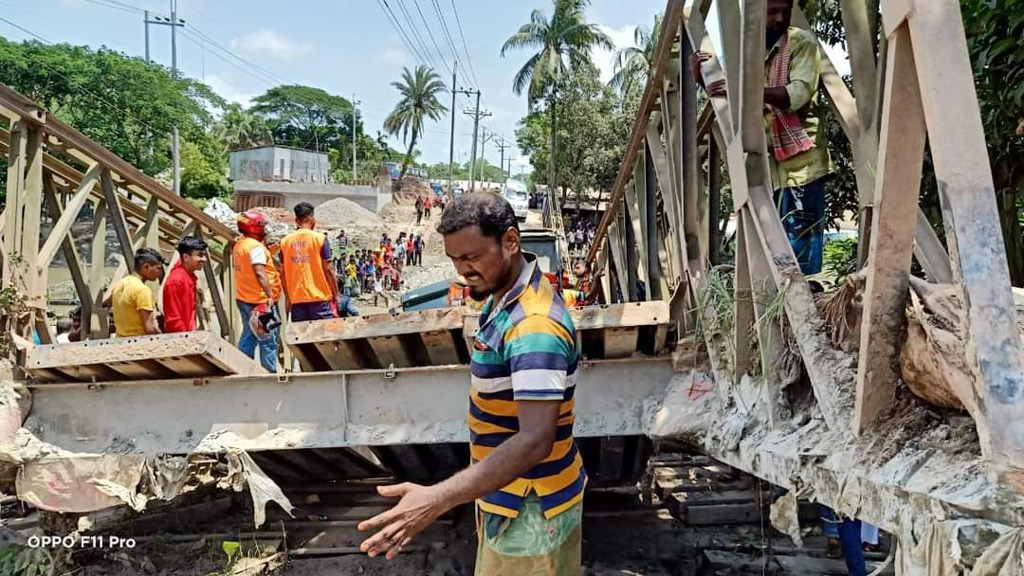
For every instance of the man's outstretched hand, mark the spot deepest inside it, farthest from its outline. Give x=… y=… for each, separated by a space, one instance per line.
x=418 y=508
x=716 y=88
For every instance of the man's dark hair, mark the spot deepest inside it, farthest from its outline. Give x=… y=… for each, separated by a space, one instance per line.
x=191 y=244
x=147 y=256
x=492 y=213
x=303 y=210
x=77 y=312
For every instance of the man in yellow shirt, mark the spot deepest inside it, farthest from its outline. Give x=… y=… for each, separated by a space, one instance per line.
x=132 y=300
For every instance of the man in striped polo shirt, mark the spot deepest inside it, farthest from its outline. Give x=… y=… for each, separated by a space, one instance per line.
x=527 y=475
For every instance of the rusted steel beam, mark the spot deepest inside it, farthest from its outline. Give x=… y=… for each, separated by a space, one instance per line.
x=901 y=156
x=973 y=231
x=669 y=25
x=73 y=140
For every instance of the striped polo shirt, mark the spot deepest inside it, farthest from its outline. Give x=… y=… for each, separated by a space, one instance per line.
x=525 y=349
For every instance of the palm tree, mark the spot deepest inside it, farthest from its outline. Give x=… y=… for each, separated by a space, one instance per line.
x=562 y=43
x=419 y=102
x=633 y=63
x=239 y=128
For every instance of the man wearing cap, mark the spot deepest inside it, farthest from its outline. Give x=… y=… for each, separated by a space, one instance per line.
x=257 y=286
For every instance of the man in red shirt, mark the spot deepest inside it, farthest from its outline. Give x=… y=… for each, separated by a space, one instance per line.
x=180 y=287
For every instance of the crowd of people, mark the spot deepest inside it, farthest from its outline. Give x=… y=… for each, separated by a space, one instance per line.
x=318 y=277
x=580 y=234
x=377 y=270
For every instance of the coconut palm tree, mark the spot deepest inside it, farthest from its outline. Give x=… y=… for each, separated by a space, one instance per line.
x=239 y=128
x=633 y=63
x=562 y=42
x=419 y=103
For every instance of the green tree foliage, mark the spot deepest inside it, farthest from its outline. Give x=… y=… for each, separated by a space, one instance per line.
x=419 y=103
x=203 y=170
x=593 y=128
x=562 y=43
x=307 y=117
x=239 y=128
x=633 y=63
x=122 y=102
x=995 y=29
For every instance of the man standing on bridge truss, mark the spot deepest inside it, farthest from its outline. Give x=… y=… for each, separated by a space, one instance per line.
x=527 y=475
x=797 y=139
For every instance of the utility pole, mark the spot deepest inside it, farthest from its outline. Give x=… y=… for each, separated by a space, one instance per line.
x=354 y=166
x=174 y=23
x=484 y=139
x=477 y=114
x=503 y=146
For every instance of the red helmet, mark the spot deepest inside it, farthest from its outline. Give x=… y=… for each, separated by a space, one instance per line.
x=253 y=224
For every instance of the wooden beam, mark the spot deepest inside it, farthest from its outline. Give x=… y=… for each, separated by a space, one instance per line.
x=769 y=333
x=898 y=183
x=973 y=232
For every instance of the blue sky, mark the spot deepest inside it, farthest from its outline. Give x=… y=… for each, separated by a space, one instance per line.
x=344 y=47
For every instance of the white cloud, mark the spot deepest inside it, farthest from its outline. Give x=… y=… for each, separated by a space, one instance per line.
x=395 y=56
x=228 y=90
x=605 y=59
x=268 y=42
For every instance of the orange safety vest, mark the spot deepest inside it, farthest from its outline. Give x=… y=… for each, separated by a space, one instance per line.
x=247 y=288
x=304 y=277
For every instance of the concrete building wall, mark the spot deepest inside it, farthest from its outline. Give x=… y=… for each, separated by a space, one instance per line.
x=279 y=163
x=372 y=198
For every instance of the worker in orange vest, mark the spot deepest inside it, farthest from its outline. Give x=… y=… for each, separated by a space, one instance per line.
x=257 y=288
x=310 y=285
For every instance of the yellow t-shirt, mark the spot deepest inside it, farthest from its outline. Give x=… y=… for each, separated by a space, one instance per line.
x=129 y=296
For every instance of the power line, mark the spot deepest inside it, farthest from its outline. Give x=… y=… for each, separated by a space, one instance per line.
x=99 y=98
x=199 y=42
x=416 y=34
x=118 y=6
x=409 y=45
x=451 y=43
x=464 y=47
x=272 y=75
x=432 y=40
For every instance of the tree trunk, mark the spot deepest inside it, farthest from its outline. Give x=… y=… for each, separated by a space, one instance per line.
x=552 y=165
x=1013 y=236
x=408 y=156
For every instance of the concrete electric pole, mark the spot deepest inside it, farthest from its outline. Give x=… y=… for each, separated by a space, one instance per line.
x=451 y=148
x=503 y=146
x=477 y=114
x=174 y=23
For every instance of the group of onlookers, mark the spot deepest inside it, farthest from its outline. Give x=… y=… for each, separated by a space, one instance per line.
x=580 y=234
x=379 y=270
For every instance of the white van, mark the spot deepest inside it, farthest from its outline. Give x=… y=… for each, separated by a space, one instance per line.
x=516 y=194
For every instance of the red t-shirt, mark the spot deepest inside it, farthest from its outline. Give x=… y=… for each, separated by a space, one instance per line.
x=180 y=301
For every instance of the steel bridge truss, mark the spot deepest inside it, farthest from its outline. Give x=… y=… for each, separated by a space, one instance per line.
x=54 y=171
x=661 y=226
